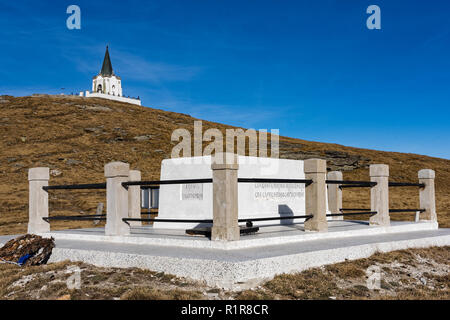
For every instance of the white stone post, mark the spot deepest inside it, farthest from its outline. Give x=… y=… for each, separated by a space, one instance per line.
x=417 y=216
x=38 y=200
x=134 y=199
x=225 y=197
x=316 y=170
x=427 y=195
x=116 y=198
x=335 y=194
x=379 y=195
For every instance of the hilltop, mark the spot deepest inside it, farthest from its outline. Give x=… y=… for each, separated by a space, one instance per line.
x=77 y=136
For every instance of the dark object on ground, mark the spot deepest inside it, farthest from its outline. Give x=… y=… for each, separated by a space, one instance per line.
x=245 y=230
x=28 y=250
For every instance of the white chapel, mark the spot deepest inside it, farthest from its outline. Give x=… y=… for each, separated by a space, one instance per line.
x=108 y=85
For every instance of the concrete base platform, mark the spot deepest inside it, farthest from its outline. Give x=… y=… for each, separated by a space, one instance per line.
x=246 y=266
x=269 y=235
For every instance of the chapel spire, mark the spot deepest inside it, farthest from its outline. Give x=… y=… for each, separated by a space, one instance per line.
x=107 y=70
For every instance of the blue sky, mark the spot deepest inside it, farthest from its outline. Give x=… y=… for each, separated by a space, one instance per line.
x=309 y=68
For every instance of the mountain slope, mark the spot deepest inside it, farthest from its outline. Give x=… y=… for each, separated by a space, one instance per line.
x=77 y=136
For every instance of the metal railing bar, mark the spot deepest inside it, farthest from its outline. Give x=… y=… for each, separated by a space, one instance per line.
x=351 y=214
x=166 y=220
x=406 y=210
x=406 y=184
x=76 y=187
x=349 y=182
x=270 y=180
x=76 y=218
x=194 y=181
x=356 y=186
x=211 y=221
x=165 y=182
x=277 y=218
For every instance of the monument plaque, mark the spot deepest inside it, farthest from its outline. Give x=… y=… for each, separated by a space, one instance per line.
x=279 y=191
x=192 y=191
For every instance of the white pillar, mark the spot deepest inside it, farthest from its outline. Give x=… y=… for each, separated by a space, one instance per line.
x=134 y=199
x=379 y=195
x=116 y=198
x=316 y=170
x=427 y=195
x=38 y=200
x=225 y=197
x=335 y=194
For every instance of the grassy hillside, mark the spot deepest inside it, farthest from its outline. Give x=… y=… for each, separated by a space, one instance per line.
x=77 y=136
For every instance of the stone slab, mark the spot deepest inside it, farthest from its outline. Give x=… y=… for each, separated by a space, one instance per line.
x=255 y=200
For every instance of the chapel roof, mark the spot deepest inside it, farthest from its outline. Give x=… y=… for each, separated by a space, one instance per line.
x=107 y=70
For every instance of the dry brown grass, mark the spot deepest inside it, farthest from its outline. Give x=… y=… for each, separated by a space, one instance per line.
x=153 y=294
x=78 y=136
x=406 y=275
x=48 y=282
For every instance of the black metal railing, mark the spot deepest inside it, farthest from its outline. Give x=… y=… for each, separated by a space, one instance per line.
x=194 y=181
x=164 y=182
x=390 y=210
x=211 y=221
x=91 y=186
x=94 y=217
x=371 y=213
x=249 y=221
x=168 y=220
x=356 y=186
x=352 y=184
x=406 y=184
x=307 y=217
x=268 y=180
x=155 y=184
x=359 y=184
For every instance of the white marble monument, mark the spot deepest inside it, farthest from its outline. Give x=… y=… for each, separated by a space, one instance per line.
x=255 y=200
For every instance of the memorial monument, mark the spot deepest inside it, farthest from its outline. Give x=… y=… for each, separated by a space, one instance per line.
x=255 y=200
